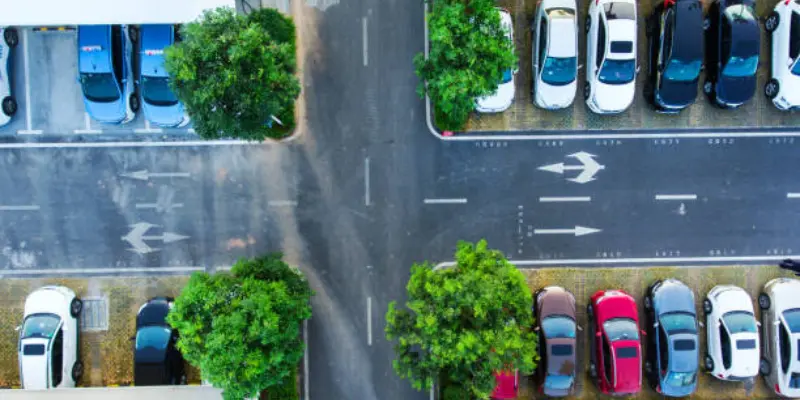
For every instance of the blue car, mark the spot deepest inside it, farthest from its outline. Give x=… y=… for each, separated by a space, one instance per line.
x=161 y=106
x=672 y=352
x=105 y=75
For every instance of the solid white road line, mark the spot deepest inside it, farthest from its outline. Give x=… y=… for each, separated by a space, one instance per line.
x=643 y=260
x=305 y=360
x=676 y=197
x=96 y=271
x=25 y=57
x=369 y=321
x=366 y=182
x=19 y=208
x=364 y=33
x=564 y=199
x=445 y=201
x=282 y=203
x=793 y=195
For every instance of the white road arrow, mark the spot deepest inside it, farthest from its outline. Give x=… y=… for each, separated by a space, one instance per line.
x=578 y=231
x=589 y=167
x=137 y=238
x=144 y=175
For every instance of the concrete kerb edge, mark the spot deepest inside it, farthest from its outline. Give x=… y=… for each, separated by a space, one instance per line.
x=678 y=262
x=435 y=132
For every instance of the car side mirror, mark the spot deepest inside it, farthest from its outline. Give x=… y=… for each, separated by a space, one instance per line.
x=18 y=328
x=789 y=62
x=758 y=323
x=580 y=67
x=638 y=68
x=598 y=334
x=132 y=338
x=655 y=325
x=578 y=327
x=702 y=325
x=776 y=323
x=643 y=332
x=536 y=329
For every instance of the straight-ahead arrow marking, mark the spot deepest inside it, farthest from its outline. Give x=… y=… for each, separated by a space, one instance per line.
x=577 y=231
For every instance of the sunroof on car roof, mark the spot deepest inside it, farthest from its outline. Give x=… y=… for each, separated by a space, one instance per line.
x=618 y=46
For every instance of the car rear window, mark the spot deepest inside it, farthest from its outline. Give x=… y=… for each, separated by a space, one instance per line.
x=626 y=352
x=748 y=344
x=33 y=350
x=618 y=46
x=684 y=345
x=562 y=349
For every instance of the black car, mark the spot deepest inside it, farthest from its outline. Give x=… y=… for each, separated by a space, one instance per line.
x=675 y=54
x=156 y=361
x=733 y=45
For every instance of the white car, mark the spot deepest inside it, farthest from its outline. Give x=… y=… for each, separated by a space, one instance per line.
x=8 y=105
x=555 y=54
x=610 y=56
x=48 y=339
x=783 y=23
x=732 y=344
x=780 y=317
x=501 y=99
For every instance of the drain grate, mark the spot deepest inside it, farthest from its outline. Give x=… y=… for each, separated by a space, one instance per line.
x=94 y=317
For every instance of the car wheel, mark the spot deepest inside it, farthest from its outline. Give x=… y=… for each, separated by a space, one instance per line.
x=771 y=89
x=648 y=303
x=134 y=102
x=772 y=22
x=9 y=106
x=708 y=87
x=11 y=37
x=133 y=33
x=763 y=301
x=75 y=307
x=708 y=363
x=592 y=371
x=77 y=371
x=587 y=89
x=763 y=367
x=590 y=312
x=707 y=307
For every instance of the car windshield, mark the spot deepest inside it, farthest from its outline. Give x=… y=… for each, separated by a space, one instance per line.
x=99 y=88
x=507 y=74
x=559 y=71
x=678 y=322
x=621 y=328
x=156 y=337
x=558 y=327
x=740 y=321
x=738 y=67
x=558 y=382
x=40 y=326
x=792 y=318
x=682 y=71
x=794 y=381
x=617 y=72
x=156 y=91
x=679 y=379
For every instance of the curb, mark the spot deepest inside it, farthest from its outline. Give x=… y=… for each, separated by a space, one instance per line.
x=640 y=262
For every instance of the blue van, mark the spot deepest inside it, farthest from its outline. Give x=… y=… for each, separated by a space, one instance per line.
x=105 y=75
x=161 y=106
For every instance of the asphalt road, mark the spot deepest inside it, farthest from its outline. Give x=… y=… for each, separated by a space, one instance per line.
x=347 y=201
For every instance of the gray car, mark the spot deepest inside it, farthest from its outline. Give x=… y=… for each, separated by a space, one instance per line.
x=672 y=351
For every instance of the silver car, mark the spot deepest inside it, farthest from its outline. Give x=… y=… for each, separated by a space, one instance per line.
x=7 y=103
x=780 y=322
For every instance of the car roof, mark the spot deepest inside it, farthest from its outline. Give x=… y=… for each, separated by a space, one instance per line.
x=557 y=364
x=627 y=370
x=34 y=368
x=621 y=30
x=683 y=360
x=688 y=27
x=154 y=38
x=94 y=45
x=563 y=37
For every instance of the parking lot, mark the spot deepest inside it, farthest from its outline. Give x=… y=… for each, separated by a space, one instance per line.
x=759 y=112
x=44 y=70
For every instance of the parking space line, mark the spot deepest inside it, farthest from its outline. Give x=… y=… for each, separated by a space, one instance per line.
x=148 y=129
x=793 y=195
x=364 y=33
x=366 y=182
x=369 y=321
x=564 y=199
x=190 y=130
x=681 y=197
x=25 y=63
x=88 y=123
x=445 y=201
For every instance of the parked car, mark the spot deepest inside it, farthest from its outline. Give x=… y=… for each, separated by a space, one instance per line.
x=783 y=87
x=672 y=346
x=501 y=99
x=555 y=54
x=105 y=74
x=8 y=105
x=780 y=316
x=615 y=347
x=48 y=350
x=555 y=311
x=675 y=54
x=732 y=48
x=161 y=106
x=506 y=385
x=156 y=360
x=610 y=56
x=732 y=343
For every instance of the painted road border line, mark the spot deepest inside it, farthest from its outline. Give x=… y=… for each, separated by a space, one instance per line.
x=637 y=261
x=564 y=199
x=793 y=195
x=445 y=201
x=96 y=271
x=20 y=208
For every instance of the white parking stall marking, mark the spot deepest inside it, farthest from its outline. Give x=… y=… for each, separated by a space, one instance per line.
x=369 y=321
x=445 y=201
x=793 y=195
x=565 y=199
x=19 y=208
x=28 y=110
x=190 y=130
x=88 y=123
x=148 y=129
x=680 y=197
x=364 y=33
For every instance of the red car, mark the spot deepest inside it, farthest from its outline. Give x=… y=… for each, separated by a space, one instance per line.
x=616 y=351
x=506 y=385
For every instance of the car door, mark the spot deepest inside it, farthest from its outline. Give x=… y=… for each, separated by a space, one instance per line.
x=712 y=35
x=541 y=54
x=783 y=350
x=57 y=358
x=725 y=345
x=665 y=41
x=793 y=41
x=608 y=362
x=663 y=353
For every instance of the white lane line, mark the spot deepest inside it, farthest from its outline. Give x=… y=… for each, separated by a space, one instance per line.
x=564 y=199
x=305 y=360
x=282 y=203
x=445 y=201
x=369 y=321
x=643 y=260
x=676 y=197
x=793 y=195
x=19 y=208
x=158 y=206
x=366 y=182
x=364 y=33
x=25 y=57
x=97 y=271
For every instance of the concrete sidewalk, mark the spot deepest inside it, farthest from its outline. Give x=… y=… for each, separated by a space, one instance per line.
x=117 y=393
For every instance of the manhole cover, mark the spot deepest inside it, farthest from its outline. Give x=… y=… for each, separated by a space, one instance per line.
x=94 y=316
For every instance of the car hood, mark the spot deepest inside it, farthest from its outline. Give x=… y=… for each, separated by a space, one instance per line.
x=673 y=296
x=744 y=362
x=784 y=292
x=677 y=94
x=34 y=368
x=46 y=300
x=505 y=385
x=614 y=98
x=617 y=306
x=550 y=96
x=734 y=299
x=498 y=101
x=111 y=112
x=735 y=90
x=628 y=370
x=166 y=116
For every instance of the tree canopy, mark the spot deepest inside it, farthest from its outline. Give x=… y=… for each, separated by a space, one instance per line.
x=468 y=54
x=461 y=324
x=234 y=73
x=242 y=329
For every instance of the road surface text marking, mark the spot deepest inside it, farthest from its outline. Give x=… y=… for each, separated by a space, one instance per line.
x=445 y=201
x=565 y=199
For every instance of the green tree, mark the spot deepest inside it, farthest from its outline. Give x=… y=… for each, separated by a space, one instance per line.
x=234 y=73
x=242 y=329
x=462 y=323
x=468 y=54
